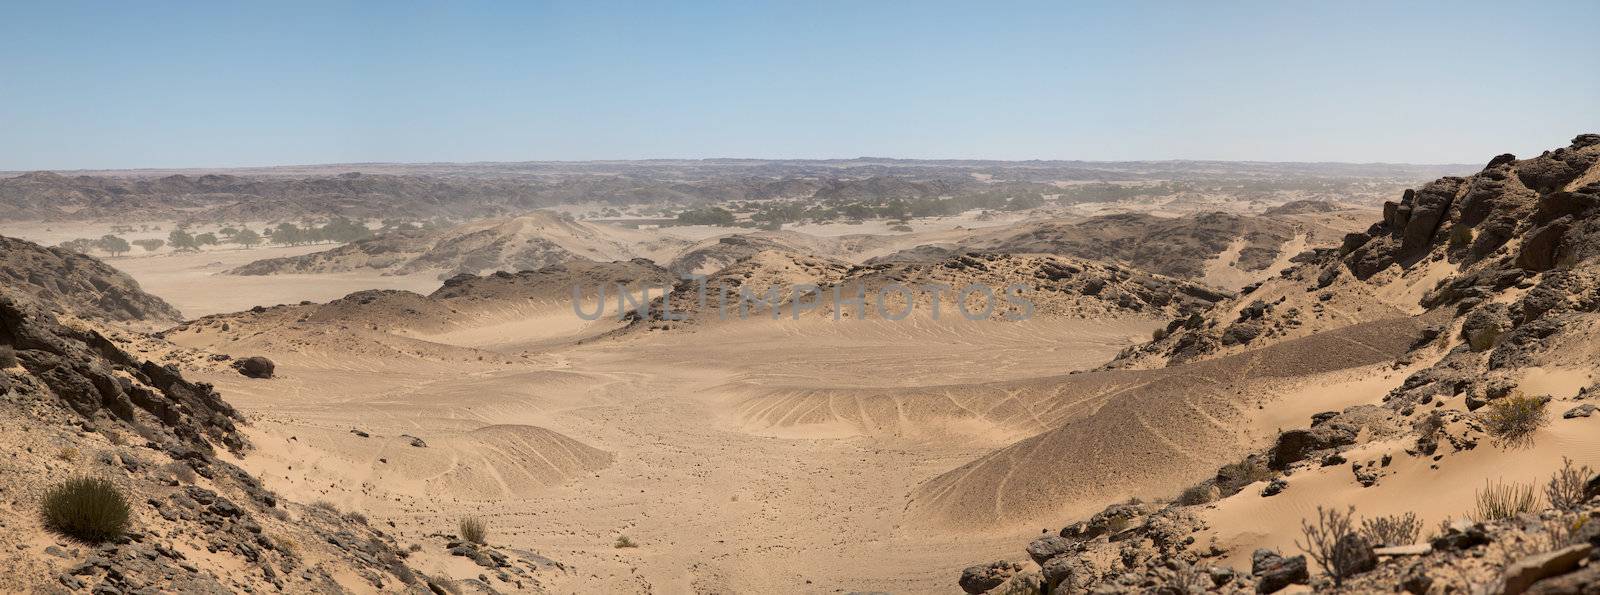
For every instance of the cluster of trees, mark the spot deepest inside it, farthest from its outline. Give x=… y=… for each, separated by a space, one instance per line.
x=775 y=214
x=707 y=216
x=182 y=241
x=338 y=230
x=109 y=244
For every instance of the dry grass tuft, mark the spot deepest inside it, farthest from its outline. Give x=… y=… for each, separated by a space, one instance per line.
x=90 y=509
x=473 y=529
x=1498 y=501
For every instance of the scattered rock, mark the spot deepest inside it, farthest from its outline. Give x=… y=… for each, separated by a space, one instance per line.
x=1461 y=535
x=1274 y=487
x=1584 y=410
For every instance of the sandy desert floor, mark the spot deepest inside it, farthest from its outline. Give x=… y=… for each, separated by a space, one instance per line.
x=715 y=500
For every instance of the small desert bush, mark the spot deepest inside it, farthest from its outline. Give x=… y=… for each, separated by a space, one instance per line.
x=1513 y=420
x=356 y=517
x=180 y=471
x=8 y=356
x=624 y=542
x=1566 y=487
x=1499 y=501
x=87 y=508
x=287 y=546
x=473 y=529
x=325 y=506
x=1333 y=542
x=1196 y=495
x=1460 y=237
x=1240 y=474
x=1400 y=529
x=68 y=453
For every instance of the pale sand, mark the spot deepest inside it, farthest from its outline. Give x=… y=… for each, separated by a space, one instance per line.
x=642 y=436
x=192 y=281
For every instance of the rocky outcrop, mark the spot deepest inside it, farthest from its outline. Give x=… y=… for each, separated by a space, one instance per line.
x=72 y=396
x=65 y=281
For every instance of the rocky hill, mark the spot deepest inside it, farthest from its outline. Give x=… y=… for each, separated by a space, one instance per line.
x=76 y=405
x=1498 y=272
x=1189 y=247
x=522 y=243
x=79 y=285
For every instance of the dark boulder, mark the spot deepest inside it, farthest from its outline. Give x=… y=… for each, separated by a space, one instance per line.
x=1298 y=445
x=1050 y=546
x=983 y=577
x=255 y=367
x=1274 y=572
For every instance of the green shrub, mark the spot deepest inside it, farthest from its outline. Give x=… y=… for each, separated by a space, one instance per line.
x=1498 y=501
x=1513 y=420
x=90 y=509
x=624 y=542
x=472 y=529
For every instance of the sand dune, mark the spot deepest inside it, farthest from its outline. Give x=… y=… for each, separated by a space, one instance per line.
x=1171 y=427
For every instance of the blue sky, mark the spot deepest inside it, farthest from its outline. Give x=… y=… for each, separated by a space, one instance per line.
x=169 y=84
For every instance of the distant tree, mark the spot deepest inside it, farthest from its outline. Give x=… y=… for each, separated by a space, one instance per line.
x=80 y=245
x=206 y=239
x=114 y=245
x=288 y=234
x=150 y=245
x=1024 y=202
x=894 y=209
x=227 y=233
x=707 y=216
x=180 y=240
x=344 y=230
x=247 y=238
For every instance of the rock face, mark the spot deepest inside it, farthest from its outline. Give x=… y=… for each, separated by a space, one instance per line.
x=84 y=372
x=65 y=281
x=152 y=432
x=982 y=578
x=254 y=366
x=1275 y=573
x=1500 y=272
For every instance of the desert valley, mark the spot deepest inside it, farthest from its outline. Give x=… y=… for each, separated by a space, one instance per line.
x=380 y=378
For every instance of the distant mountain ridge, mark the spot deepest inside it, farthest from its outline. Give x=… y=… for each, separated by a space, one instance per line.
x=488 y=190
